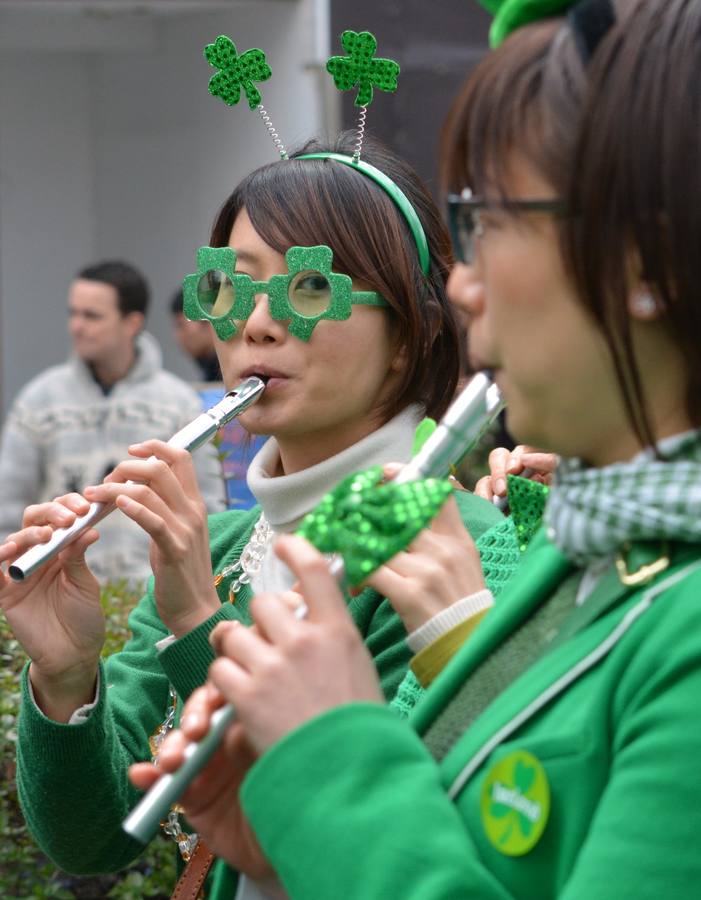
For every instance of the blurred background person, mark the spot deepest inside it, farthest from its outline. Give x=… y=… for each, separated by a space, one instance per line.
x=73 y=423
x=196 y=340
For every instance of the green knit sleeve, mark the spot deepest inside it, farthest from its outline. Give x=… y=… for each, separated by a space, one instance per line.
x=408 y=695
x=73 y=779
x=499 y=554
x=477 y=514
x=186 y=660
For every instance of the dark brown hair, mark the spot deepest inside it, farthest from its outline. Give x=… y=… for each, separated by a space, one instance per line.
x=638 y=181
x=525 y=97
x=311 y=202
x=614 y=138
x=131 y=286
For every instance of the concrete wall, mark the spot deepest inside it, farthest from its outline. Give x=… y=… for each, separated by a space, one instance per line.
x=110 y=146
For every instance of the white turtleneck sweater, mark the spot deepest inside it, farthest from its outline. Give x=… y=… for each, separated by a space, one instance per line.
x=286 y=499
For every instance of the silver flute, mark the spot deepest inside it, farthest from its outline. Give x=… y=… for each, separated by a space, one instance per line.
x=195 y=433
x=460 y=429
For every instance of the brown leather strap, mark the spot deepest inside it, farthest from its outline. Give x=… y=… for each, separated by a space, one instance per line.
x=190 y=882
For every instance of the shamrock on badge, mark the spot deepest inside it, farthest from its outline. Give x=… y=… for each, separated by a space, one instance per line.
x=362 y=68
x=237 y=72
x=507 y=807
x=515 y=803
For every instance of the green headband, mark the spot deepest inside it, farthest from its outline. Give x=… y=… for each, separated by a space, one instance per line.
x=394 y=192
x=512 y=14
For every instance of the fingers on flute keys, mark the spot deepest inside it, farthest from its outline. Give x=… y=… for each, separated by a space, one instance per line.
x=157 y=490
x=39 y=522
x=59 y=513
x=179 y=460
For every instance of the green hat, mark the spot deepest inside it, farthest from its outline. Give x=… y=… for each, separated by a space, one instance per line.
x=511 y=14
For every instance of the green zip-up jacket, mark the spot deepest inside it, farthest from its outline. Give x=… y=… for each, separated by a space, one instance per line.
x=351 y=806
x=72 y=779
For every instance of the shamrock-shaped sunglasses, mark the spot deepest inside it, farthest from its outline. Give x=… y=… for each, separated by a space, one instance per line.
x=309 y=292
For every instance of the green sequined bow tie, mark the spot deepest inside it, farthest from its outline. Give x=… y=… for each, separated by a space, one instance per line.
x=368 y=521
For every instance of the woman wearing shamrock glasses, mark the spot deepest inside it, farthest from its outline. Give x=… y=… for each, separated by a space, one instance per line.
x=558 y=754
x=316 y=283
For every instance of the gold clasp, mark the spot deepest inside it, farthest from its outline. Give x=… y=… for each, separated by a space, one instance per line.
x=644 y=573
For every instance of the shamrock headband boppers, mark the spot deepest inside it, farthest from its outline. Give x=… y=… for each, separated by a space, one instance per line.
x=361 y=68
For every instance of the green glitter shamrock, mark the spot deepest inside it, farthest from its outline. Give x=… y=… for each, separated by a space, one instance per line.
x=221 y=260
x=236 y=71
x=526 y=506
x=360 y=68
x=368 y=521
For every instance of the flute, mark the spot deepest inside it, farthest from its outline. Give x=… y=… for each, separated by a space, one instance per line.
x=468 y=417
x=193 y=435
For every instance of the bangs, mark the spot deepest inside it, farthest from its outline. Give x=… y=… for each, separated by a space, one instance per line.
x=272 y=200
x=311 y=202
x=512 y=106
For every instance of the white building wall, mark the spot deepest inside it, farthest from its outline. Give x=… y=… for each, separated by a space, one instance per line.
x=48 y=224
x=111 y=146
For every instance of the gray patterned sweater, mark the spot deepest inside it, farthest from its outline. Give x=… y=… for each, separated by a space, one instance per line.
x=63 y=432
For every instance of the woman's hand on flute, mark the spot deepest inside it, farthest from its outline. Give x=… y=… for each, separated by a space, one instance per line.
x=164 y=499
x=522 y=460
x=439 y=567
x=212 y=800
x=55 y=614
x=289 y=670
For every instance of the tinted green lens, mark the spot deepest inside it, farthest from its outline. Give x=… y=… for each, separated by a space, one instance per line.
x=309 y=293
x=215 y=293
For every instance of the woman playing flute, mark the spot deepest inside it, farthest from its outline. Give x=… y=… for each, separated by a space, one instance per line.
x=557 y=755
x=343 y=392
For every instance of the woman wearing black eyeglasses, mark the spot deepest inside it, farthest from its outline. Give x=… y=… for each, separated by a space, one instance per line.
x=557 y=755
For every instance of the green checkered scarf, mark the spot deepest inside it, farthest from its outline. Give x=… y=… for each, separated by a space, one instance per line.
x=591 y=512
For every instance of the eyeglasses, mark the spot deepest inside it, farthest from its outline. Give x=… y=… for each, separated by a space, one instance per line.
x=464 y=217
x=309 y=292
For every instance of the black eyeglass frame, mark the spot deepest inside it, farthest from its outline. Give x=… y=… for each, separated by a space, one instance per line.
x=462 y=222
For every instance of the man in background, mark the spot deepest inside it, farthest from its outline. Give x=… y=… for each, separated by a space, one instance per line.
x=72 y=424
x=196 y=340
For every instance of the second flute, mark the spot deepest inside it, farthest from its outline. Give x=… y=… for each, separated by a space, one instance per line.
x=193 y=435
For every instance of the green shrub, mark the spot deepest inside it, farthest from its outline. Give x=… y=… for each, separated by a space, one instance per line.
x=24 y=870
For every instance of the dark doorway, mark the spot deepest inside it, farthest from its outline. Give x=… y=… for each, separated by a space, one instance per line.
x=436 y=45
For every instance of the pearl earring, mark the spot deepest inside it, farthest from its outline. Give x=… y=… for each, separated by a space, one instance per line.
x=643 y=304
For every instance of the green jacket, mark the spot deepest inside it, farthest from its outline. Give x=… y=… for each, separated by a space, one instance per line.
x=72 y=779
x=351 y=805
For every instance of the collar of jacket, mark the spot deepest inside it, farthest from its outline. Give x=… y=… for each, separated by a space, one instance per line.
x=148 y=360
x=589 y=636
